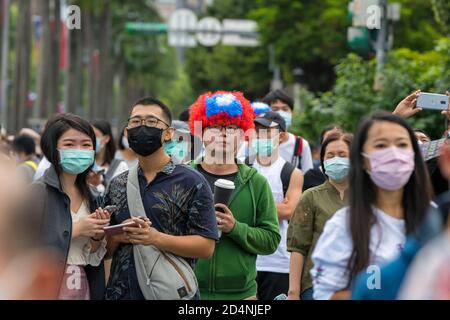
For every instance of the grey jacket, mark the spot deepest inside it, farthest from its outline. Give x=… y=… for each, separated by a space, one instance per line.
x=52 y=215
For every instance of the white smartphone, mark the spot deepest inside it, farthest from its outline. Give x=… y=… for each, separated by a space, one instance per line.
x=432 y=101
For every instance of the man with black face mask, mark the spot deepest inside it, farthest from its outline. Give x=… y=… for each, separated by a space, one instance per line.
x=180 y=217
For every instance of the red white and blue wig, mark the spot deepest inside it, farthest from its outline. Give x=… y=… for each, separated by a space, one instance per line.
x=221 y=108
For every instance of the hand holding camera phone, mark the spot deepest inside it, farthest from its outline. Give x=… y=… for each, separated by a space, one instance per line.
x=433 y=101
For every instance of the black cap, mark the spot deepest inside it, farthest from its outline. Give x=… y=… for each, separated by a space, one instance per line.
x=271 y=119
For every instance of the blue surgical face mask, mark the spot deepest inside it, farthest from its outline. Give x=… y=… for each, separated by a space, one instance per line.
x=287 y=116
x=98 y=145
x=178 y=150
x=337 y=168
x=263 y=147
x=75 y=161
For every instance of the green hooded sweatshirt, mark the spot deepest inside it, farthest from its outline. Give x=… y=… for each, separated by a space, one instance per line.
x=230 y=274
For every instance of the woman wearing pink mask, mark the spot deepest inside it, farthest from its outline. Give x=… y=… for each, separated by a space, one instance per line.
x=389 y=193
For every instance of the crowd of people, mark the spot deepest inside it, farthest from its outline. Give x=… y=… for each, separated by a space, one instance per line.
x=353 y=215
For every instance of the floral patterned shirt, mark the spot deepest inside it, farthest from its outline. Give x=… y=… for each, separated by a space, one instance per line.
x=178 y=202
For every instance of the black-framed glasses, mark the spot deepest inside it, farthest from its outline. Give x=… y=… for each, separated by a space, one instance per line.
x=228 y=129
x=148 y=121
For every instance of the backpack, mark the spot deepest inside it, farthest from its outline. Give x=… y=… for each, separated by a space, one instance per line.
x=297 y=155
x=161 y=275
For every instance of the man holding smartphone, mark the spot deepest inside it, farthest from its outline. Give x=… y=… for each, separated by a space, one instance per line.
x=178 y=204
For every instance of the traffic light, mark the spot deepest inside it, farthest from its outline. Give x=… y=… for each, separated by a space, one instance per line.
x=365 y=17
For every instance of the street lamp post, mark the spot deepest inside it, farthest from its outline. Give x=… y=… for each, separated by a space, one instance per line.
x=298 y=74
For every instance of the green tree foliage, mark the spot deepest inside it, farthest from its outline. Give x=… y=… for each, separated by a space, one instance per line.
x=416 y=29
x=307 y=34
x=441 y=9
x=229 y=68
x=353 y=96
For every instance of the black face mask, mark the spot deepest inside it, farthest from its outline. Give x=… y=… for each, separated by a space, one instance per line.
x=145 y=140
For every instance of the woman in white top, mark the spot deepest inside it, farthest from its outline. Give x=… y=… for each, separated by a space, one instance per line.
x=389 y=193
x=106 y=166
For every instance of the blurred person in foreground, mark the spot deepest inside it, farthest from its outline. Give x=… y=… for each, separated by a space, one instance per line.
x=28 y=271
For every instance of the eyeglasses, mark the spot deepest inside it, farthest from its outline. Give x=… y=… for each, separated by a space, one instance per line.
x=149 y=122
x=228 y=129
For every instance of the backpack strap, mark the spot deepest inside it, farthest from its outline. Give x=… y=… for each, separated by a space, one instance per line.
x=249 y=162
x=286 y=173
x=31 y=164
x=298 y=150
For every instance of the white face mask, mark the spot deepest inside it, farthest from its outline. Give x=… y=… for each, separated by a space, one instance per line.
x=125 y=142
x=287 y=116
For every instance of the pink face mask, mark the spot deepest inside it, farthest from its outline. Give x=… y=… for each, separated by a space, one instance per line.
x=391 y=167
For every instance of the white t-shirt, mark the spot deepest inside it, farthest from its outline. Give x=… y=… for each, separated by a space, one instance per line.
x=333 y=250
x=80 y=248
x=286 y=151
x=130 y=163
x=279 y=260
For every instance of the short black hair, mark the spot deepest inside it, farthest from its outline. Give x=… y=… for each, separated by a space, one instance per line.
x=54 y=129
x=184 y=116
x=25 y=144
x=110 y=148
x=327 y=128
x=421 y=131
x=279 y=94
x=150 y=101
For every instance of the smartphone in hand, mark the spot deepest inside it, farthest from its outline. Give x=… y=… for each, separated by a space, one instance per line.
x=432 y=101
x=111 y=209
x=118 y=229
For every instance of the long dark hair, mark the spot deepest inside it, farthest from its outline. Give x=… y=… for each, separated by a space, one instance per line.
x=417 y=193
x=110 y=148
x=54 y=129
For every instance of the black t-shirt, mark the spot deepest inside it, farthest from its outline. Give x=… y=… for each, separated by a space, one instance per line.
x=212 y=178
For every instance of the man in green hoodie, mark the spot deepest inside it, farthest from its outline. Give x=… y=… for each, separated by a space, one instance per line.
x=249 y=224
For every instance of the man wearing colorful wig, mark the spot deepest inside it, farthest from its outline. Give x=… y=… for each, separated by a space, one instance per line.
x=249 y=224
